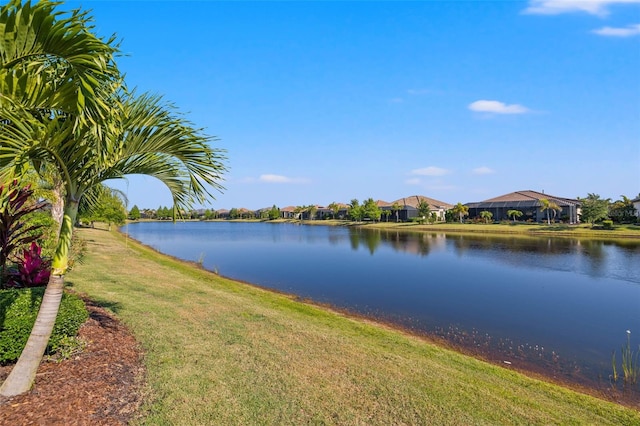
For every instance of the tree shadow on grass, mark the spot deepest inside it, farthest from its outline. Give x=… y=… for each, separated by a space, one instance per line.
x=114 y=307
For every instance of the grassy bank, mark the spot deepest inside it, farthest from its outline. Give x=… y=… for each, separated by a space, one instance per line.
x=559 y=230
x=222 y=352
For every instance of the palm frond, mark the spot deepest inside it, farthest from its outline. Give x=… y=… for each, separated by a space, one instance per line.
x=156 y=141
x=51 y=59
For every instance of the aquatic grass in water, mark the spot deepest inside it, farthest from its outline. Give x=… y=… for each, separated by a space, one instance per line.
x=629 y=363
x=200 y=261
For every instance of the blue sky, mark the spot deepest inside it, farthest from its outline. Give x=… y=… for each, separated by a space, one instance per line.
x=328 y=101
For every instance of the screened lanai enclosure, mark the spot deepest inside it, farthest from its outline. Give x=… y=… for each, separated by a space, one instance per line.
x=530 y=204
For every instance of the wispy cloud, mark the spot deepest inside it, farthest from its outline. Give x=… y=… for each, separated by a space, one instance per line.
x=430 y=171
x=630 y=30
x=270 y=178
x=556 y=7
x=483 y=171
x=496 y=107
x=413 y=181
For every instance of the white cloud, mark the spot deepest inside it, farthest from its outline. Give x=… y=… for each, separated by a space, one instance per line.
x=482 y=171
x=497 y=107
x=430 y=171
x=269 y=178
x=629 y=31
x=413 y=181
x=556 y=7
x=396 y=100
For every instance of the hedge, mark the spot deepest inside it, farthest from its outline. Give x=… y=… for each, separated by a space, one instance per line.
x=18 y=311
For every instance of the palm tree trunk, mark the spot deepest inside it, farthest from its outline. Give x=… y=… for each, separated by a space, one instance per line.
x=57 y=206
x=23 y=373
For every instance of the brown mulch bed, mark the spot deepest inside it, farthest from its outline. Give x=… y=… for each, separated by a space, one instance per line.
x=100 y=386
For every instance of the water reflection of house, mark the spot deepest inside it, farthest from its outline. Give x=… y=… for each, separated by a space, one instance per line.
x=418 y=243
x=528 y=202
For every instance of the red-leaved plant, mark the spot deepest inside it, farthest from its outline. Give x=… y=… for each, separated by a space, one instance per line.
x=15 y=231
x=31 y=271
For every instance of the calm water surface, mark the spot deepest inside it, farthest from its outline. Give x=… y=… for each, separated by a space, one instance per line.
x=561 y=303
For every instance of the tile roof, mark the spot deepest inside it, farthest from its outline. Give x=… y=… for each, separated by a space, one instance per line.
x=527 y=197
x=414 y=200
x=381 y=203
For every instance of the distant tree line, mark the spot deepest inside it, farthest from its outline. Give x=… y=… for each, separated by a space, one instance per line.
x=593 y=210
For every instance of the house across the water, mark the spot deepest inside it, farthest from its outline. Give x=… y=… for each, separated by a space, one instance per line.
x=409 y=207
x=529 y=203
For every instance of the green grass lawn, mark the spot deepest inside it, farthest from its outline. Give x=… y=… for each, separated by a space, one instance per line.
x=582 y=230
x=222 y=352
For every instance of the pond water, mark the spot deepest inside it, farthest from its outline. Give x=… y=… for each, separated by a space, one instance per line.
x=557 y=303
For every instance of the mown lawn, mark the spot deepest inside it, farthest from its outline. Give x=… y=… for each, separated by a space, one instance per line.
x=223 y=352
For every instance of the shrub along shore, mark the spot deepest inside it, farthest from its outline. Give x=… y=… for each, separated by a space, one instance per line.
x=224 y=352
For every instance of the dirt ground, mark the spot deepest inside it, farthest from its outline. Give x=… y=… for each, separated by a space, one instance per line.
x=100 y=386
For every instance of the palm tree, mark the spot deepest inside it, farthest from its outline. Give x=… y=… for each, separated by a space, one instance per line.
x=514 y=214
x=298 y=212
x=622 y=210
x=312 y=209
x=335 y=208
x=547 y=205
x=75 y=115
x=396 y=208
x=461 y=210
x=486 y=215
x=424 y=209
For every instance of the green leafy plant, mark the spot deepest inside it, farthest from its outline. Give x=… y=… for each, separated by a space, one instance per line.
x=18 y=310
x=66 y=348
